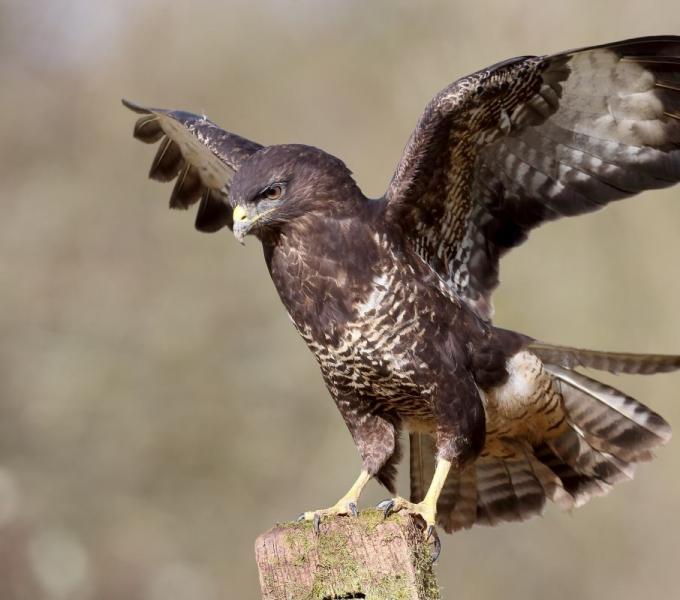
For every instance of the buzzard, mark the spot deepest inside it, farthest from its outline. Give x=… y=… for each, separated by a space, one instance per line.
x=393 y=295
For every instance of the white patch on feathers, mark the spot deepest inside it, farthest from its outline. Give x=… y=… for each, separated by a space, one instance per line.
x=512 y=398
x=378 y=292
x=612 y=99
x=214 y=172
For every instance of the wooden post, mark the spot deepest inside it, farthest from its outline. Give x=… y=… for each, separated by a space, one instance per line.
x=366 y=557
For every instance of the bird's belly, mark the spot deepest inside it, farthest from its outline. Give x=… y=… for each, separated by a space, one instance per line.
x=381 y=366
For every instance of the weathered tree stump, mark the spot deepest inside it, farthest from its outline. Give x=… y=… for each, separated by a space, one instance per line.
x=365 y=557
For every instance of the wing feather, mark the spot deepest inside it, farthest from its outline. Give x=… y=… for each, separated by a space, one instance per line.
x=202 y=157
x=531 y=140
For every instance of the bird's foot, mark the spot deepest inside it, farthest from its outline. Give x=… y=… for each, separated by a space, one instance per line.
x=425 y=510
x=345 y=506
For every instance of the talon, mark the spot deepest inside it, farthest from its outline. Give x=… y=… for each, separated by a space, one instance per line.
x=316 y=523
x=432 y=534
x=300 y=517
x=387 y=506
x=347 y=505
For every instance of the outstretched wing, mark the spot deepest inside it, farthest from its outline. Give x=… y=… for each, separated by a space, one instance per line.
x=531 y=140
x=200 y=155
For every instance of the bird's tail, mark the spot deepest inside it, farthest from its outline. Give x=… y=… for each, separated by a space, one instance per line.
x=590 y=437
x=614 y=362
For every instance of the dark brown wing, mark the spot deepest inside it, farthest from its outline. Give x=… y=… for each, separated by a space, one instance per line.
x=200 y=155
x=531 y=140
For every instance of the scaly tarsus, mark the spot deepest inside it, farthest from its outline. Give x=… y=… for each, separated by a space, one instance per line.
x=347 y=505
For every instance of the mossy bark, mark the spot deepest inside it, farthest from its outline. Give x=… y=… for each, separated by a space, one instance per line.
x=365 y=557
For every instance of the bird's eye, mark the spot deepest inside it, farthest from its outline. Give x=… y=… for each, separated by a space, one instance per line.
x=273 y=192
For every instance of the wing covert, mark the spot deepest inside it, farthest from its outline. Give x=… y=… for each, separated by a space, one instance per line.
x=531 y=140
x=201 y=156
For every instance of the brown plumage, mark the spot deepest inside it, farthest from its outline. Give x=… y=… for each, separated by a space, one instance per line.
x=393 y=296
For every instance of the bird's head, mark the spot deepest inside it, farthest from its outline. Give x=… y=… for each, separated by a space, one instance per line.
x=280 y=184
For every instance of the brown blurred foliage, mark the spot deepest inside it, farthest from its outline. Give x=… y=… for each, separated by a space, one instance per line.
x=157 y=408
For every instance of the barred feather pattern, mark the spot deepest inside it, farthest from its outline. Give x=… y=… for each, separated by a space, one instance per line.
x=200 y=156
x=614 y=362
x=531 y=140
x=552 y=434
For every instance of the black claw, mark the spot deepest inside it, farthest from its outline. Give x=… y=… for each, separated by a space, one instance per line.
x=437 y=543
x=316 y=523
x=353 y=509
x=387 y=506
x=300 y=517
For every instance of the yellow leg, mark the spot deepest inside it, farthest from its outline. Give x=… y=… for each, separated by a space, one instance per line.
x=427 y=508
x=347 y=505
x=441 y=472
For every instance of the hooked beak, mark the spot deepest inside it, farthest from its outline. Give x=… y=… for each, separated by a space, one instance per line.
x=242 y=223
x=244 y=219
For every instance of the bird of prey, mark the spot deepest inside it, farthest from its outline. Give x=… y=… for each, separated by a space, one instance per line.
x=393 y=295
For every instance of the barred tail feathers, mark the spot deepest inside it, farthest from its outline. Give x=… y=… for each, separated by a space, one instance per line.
x=606 y=434
x=592 y=440
x=614 y=362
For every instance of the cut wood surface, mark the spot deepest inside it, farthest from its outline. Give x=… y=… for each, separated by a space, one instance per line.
x=365 y=557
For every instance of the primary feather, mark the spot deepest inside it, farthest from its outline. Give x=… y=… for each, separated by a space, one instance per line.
x=530 y=140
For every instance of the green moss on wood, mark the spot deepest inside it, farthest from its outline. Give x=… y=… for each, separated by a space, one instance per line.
x=339 y=571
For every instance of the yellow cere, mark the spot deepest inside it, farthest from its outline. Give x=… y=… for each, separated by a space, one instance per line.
x=240 y=214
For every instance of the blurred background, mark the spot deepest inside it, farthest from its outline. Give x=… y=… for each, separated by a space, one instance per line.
x=157 y=410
